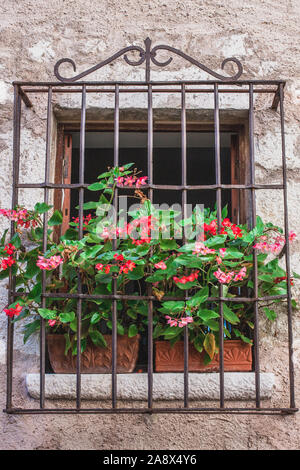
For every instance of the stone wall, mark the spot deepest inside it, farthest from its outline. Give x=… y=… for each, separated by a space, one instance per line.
x=264 y=36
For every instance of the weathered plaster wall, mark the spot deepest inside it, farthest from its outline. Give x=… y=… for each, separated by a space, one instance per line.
x=264 y=35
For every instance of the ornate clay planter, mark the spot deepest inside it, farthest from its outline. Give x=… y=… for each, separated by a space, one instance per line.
x=94 y=360
x=237 y=357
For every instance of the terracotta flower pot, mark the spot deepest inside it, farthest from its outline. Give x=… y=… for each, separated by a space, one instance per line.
x=95 y=359
x=237 y=357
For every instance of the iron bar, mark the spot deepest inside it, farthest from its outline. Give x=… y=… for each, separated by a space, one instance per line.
x=44 y=248
x=145 y=83
x=253 y=223
x=114 y=246
x=149 y=288
x=259 y=411
x=219 y=220
x=12 y=281
x=151 y=297
x=80 y=235
x=287 y=253
x=184 y=206
x=156 y=90
x=158 y=186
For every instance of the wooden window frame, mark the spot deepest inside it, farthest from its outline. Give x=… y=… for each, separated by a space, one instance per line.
x=63 y=164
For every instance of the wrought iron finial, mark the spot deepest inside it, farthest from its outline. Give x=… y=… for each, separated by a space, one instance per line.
x=148 y=55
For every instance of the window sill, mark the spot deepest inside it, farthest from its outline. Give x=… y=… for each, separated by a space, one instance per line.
x=166 y=386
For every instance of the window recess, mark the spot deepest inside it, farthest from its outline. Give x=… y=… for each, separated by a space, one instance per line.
x=74 y=148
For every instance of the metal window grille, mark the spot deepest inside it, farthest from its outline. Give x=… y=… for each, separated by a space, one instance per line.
x=22 y=90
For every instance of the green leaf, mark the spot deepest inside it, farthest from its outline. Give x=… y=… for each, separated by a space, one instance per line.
x=2 y=241
x=172 y=332
x=30 y=328
x=206 y=314
x=270 y=314
x=229 y=315
x=174 y=305
x=68 y=343
x=35 y=293
x=132 y=331
x=96 y=317
x=67 y=317
x=244 y=338
x=166 y=244
x=96 y=186
x=47 y=314
x=42 y=207
x=31 y=269
x=56 y=219
x=199 y=298
x=70 y=234
x=215 y=241
x=16 y=241
x=136 y=273
x=97 y=338
x=209 y=344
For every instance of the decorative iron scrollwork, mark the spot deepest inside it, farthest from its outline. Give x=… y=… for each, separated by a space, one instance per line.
x=148 y=55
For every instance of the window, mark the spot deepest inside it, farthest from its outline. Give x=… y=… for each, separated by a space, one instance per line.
x=156 y=146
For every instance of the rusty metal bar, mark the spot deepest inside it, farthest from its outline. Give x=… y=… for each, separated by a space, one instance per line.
x=149 y=288
x=151 y=297
x=255 y=272
x=287 y=253
x=212 y=187
x=12 y=281
x=80 y=235
x=184 y=206
x=254 y=411
x=44 y=248
x=145 y=90
x=219 y=220
x=114 y=245
x=152 y=83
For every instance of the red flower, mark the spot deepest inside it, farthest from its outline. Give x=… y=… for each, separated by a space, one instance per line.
x=283 y=278
x=9 y=249
x=128 y=266
x=14 y=311
x=102 y=268
x=118 y=257
x=6 y=262
x=183 y=280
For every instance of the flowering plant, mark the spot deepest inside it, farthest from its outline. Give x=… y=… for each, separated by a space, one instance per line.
x=148 y=250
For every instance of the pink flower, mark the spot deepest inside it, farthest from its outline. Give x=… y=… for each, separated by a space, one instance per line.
x=222 y=252
x=141 y=181
x=185 y=321
x=292 y=236
x=120 y=179
x=240 y=275
x=160 y=265
x=202 y=249
x=51 y=322
x=181 y=322
x=49 y=263
x=223 y=278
